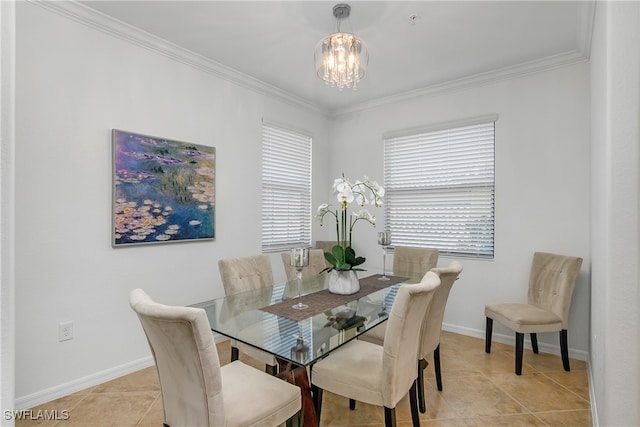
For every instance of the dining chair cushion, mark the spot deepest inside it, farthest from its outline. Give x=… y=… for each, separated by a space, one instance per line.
x=524 y=318
x=253 y=398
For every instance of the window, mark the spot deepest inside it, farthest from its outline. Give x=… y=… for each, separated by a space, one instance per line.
x=286 y=189
x=440 y=188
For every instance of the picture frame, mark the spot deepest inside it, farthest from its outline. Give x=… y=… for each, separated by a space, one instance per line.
x=163 y=190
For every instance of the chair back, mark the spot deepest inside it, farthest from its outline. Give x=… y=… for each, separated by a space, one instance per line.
x=316 y=264
x=326 y=246
x=418 y=261
x=245 y=273
x=432 y=325
x=186 y=359
x=551 y=283
x=402 y=337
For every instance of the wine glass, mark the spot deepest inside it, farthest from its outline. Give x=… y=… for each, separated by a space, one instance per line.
x=299 y=260
x=384 y=240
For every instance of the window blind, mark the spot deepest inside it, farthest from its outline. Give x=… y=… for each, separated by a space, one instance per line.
x=286 y=189
x=440 y=189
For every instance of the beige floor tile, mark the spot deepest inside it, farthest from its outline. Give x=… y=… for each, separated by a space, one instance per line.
x=336 y=412
x=538 y=393
x=521 y=420
x=576 y=381
x=154 y=417
x=50 y=413
x=142 y=380
x=111 y=409
x=475 y=395
x=581 y=418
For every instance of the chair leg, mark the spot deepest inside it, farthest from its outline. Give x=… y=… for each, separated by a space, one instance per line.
x=389 y=417
x=352 y=404
x=271 y=369
x=413 y=401
x=235 y=353
x=294 y=421
x=436 y=363
x=534 y=343
x=422 y=364
x=317 y=401
x=487 y=340
x=519 y=351
x=564 y=350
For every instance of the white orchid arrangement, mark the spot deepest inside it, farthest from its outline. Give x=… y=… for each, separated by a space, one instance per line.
x=342 y=257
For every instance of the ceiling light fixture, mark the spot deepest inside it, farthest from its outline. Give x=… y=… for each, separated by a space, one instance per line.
x=341 y=58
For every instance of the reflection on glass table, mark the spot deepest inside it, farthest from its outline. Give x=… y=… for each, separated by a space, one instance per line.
x=300 y=341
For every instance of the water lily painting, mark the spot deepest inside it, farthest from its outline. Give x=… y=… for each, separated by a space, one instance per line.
x=163 y=190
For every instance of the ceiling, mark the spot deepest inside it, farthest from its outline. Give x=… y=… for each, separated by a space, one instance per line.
x=450 y=42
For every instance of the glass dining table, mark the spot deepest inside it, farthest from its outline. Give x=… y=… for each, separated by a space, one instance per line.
x=265 y=319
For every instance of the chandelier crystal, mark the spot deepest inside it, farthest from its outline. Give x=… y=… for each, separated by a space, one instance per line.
x=341 y=58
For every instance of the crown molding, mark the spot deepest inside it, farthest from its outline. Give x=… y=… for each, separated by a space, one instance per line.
x=116 y=28
x=481 y=79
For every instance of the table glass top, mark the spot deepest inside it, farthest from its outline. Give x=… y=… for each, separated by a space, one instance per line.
x=241 y=317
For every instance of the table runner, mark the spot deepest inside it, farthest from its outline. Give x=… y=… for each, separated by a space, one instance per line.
x=324 y=300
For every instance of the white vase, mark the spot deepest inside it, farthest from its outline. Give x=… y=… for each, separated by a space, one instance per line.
x=343 y=282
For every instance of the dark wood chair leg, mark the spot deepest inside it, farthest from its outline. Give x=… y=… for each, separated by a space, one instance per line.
x=422 y=364
x=294 y=421
x=534 y=343
x=413 y=401
x=564 y=350
x=235 y=353
x=519 y=350
x=317 y=401
x=487 y=340
x=271 y=369
x=352 y=404
x=436 y=363
x=389 y=417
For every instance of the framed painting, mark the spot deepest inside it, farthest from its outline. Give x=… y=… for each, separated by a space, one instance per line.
x=163 y=190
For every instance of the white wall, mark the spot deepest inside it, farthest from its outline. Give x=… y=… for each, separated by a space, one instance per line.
x=7 y=208
x=542 y=186
x=615 y=207
x=74 y=85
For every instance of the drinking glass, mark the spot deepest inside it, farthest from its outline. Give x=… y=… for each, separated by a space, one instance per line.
x=384 y=240
x=299 y=260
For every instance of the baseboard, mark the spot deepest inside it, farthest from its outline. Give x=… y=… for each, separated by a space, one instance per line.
x=510 y=339
x=592 y=400
x=52 y=393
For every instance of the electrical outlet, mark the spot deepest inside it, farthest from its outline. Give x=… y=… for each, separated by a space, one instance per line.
x=65 y=331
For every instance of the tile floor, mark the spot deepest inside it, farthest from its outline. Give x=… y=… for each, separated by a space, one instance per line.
x=479 y=389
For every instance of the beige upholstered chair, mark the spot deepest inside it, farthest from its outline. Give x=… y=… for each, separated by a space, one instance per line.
x=431 y=328
x=195 y=390
x=241 y=275
x=326 y=246
x=551 y=282
x=408 y=259
x=381 y=375
x=316 y=264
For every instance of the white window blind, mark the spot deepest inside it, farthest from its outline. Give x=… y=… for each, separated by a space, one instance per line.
x=286 y=189
x=440 y=189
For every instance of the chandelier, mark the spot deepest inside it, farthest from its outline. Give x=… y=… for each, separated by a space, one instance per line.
x=341 y=58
